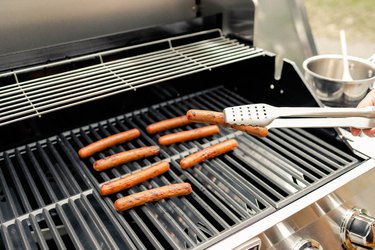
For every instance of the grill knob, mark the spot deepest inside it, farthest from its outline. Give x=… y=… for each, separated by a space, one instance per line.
x=358 y=229
x=309 y=244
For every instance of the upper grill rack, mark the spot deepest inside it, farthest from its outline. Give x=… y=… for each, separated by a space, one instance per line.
x=168 y=59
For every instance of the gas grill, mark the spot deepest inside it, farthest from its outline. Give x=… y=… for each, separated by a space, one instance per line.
x=49 y=197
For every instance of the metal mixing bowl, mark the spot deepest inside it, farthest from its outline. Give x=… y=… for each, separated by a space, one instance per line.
x=324 y=74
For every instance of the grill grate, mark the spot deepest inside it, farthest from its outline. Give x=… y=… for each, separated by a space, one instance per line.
x=171 y=59
x=49 y=197
x=37 y=175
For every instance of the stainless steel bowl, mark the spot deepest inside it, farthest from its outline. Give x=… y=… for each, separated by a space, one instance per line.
x=324 y=74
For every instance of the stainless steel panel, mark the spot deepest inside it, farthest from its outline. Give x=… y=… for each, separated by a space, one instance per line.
x=238 y=16
x=327 y=214
x=26 y=25
x=282 y=27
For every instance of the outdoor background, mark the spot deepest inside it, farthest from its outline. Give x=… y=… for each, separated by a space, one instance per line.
x=356 y=17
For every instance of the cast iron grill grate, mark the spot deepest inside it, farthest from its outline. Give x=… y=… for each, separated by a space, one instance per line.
x=49 y=196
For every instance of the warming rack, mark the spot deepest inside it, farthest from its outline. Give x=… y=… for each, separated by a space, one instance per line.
x=165 y=59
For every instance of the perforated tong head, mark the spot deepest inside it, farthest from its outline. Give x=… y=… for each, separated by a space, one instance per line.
x=264 y=115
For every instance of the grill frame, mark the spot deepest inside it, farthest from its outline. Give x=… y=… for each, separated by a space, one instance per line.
x=203 y=99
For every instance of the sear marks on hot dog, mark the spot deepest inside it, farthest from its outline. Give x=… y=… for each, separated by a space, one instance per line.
x=152 y=195
x=208 y=153
x=135 y=178
x=188 y=135
x=167 y=124
x=124 y=157
x=205 y=116
x=108 y=142
x=212 y=117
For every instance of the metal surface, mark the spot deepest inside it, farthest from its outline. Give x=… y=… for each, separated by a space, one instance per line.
x=261 y=114
x=346 y=122
x=324 y=74
x=357 y=229
x=30 y=25
x=63 y=207
x=282 y=27
x=307 y=244
x=49 y=197
x=328 y=213
x=237 y=16
x=322 y=209
x=358 y=144
x=346 y=76
x=41 y=32
x=24 y=99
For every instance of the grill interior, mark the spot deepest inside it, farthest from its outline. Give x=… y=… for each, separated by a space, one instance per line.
x=49 y=196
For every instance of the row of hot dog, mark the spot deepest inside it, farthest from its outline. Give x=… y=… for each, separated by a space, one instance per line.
x=161 y=167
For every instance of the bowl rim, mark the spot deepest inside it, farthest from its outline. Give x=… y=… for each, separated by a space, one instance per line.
x=337 y=56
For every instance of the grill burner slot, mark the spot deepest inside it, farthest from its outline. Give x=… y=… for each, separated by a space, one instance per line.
x=49 y=197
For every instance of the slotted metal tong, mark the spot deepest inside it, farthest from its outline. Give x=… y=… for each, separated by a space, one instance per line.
x=264 y=115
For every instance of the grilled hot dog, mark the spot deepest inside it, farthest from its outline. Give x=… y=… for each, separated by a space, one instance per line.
x=208 y=153
x=188 y=135
x=123 y=157
x=152 y=195
x=212 y=117
x=167 y=124
x=135 y=178
x=108 y=142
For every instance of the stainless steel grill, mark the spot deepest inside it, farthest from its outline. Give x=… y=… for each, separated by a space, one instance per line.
x=49 y=196
x=166 y=59
x=68 y=78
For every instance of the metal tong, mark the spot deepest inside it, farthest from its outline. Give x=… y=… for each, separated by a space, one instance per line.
x=264 y=115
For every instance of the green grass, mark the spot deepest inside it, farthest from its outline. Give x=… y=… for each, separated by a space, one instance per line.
x=356 y=17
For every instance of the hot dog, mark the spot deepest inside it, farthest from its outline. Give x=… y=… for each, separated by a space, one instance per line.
x=212 y=117
x=152 y=195
x=188 y=135
x=135 y=178
x=208 y=153
x=167 y=124
x=108 y=142
x=123 y=157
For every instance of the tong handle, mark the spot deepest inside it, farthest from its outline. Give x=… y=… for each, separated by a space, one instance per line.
x=338 y=122
x=327 y=112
